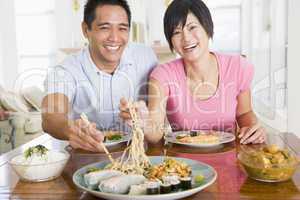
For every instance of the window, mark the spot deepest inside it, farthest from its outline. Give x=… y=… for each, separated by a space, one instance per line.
x=35 y=27
x=226 y=15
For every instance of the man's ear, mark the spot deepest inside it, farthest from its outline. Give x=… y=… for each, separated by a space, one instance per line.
x=84 y=28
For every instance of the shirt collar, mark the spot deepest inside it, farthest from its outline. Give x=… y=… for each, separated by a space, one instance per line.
x=125 y=61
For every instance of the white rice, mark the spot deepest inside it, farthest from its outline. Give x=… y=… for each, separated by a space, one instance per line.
x=38 y=167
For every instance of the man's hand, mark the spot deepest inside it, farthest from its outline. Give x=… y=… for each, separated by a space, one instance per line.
x=83 y=136
x=255 y=134
x=3 y=115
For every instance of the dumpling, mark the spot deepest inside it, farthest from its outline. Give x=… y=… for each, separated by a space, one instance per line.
x=93 y=179
x=120 y=184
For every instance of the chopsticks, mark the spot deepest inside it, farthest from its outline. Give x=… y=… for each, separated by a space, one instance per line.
x=87 y=122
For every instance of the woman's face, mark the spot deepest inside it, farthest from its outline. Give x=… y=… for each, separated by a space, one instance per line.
x=190 y=41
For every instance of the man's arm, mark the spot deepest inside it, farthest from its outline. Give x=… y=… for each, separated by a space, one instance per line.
x=55 y=122
x=55 y=115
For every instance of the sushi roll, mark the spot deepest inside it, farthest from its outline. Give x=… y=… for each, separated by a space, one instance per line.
x=153 y=188
x=175 y=185
x=165 y=188
x=186 y=183
x=170 y=178
x=194 y=133
x=138 y=189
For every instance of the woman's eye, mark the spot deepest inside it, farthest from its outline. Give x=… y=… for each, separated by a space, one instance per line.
x=193 y=27
x=176 y=32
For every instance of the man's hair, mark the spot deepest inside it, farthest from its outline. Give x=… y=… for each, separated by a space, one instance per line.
x=91 y=5
x=177 y=12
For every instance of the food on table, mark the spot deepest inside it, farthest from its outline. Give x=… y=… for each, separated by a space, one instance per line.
x=140 y=189
x=199 y=179
x=165 y=188
x=153 y=187
x=38 y=150
x=134 y=160
x=186 y=183
x=113 y=135
x=199 y=137
x=120 y=184
x=168 y=168
x=169 y=176
x=133 y=174
x=39 y=163
x=269 y=163
x=93 y=178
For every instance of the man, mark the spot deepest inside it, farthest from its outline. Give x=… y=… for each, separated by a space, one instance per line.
x=94 y=81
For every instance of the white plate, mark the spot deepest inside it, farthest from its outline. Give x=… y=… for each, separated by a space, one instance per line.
x=125 y=138
x=224 y=138
x=207 y=171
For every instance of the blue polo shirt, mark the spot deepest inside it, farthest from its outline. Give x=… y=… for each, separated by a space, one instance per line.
x=97 y=93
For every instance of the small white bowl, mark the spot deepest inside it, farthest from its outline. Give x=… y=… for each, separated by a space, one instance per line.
x=40 y=172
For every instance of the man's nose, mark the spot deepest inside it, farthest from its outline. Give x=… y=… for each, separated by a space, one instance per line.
x=113 y=35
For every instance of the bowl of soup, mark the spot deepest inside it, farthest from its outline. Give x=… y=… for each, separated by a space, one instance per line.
x=268 y=163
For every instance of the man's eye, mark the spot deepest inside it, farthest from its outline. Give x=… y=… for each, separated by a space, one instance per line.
x=125 y=29
x=103 y=27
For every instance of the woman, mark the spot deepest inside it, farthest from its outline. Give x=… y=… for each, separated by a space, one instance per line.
x=202 y=89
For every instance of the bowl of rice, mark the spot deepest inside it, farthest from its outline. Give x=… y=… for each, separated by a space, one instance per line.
x=39 y=164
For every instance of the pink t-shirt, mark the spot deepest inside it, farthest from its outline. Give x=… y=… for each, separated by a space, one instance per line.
x=218 y=112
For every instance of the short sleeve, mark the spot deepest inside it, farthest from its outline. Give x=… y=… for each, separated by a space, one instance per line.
x=161 y=74
x=59 y=80
x=246 y=73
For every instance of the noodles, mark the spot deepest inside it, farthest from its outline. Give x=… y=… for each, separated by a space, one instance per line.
x=136 y=161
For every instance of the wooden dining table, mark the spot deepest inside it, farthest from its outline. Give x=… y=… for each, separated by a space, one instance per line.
x=231 y=183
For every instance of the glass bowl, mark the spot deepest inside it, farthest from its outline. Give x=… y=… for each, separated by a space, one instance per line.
x=268 y=163
x=46 y=171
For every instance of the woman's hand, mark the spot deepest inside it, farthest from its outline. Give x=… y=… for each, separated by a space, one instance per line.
x=255 y=134
x=141 y=109
x=83 y=136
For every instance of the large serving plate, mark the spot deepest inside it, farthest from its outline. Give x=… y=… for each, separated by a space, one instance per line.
x=197 y=168
x=125 y=138
x=224 y=137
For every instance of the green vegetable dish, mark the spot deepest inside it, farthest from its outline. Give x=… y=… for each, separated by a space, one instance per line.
x=38 y=149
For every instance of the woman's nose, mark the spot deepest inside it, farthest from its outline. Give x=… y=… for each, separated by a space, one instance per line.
x=186 y=36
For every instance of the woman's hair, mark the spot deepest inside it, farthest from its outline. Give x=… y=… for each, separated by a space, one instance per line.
x=177 y=12
x=91 y=5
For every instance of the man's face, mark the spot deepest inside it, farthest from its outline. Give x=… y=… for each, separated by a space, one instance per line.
x=108 y=35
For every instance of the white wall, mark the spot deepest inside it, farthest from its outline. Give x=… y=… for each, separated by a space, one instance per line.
x=8 y=46
x=293 y=68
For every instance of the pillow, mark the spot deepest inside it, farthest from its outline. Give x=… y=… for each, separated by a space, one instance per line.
x=12 y=102
x=34 y=96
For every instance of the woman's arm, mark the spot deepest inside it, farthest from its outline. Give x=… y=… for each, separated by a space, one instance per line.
x=250 y=130
x=157 y=99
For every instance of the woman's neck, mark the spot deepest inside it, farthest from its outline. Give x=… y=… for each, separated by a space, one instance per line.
x=201 y=69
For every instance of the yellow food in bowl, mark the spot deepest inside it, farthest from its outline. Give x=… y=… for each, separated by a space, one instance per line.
x=270 y=163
